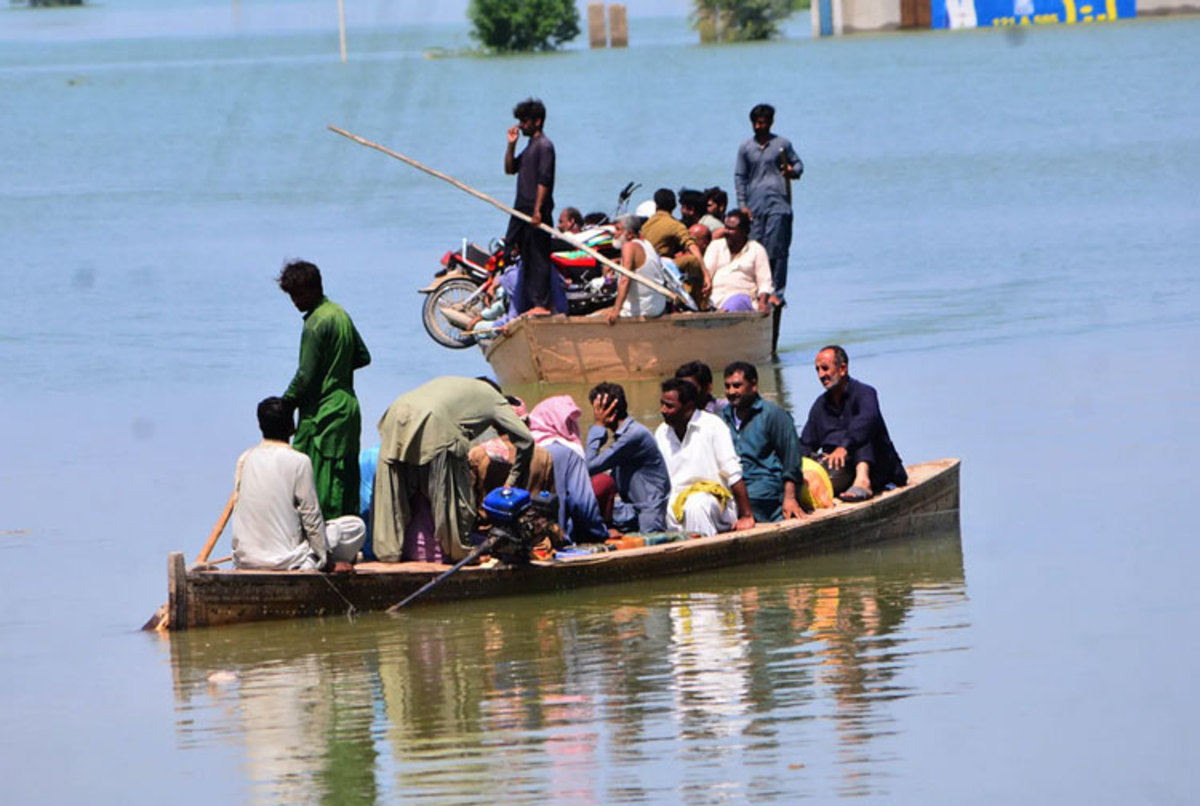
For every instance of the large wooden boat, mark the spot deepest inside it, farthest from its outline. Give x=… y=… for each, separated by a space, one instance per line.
x=206 y=596
x=586 y=349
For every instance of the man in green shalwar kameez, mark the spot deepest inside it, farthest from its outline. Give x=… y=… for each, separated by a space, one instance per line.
x=323 y=390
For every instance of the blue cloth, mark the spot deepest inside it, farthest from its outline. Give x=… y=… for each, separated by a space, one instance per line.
x=766 y=443
x=638 y=468
x=518 y=303
x=368 y=460
x=774 y=232
x=578 y=513
x=857 y=425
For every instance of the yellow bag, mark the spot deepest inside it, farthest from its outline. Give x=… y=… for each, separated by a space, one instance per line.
x=818 y=489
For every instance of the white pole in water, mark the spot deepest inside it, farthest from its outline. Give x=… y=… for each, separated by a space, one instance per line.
x=342 y=28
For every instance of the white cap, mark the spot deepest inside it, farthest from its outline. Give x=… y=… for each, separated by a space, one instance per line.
x=646 y=208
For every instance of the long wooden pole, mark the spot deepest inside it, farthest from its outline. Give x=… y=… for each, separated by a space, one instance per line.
x=662 y=289
x=220 y=527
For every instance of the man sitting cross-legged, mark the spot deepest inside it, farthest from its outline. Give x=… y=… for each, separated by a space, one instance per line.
x=277 y=521
x=707 y=491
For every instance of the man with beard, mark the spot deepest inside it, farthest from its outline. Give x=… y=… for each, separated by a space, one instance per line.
x=637 y=257
x=846 y=432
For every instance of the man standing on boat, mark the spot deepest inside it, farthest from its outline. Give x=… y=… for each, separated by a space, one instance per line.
x=534 y=169
x=277 y=523
x=766 y=165
x=846 y=432
x=424 y=476
x=708 y=494
x=323 y=389
x=765 y=439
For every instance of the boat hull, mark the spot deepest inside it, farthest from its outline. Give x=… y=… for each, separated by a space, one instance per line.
x=586 y=349
x=205 y=597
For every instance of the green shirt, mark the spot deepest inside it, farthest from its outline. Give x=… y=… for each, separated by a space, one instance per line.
x=767 y=444
x=323 y=386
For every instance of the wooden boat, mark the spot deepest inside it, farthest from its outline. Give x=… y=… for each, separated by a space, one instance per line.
x=206 y=596
x=585 y=349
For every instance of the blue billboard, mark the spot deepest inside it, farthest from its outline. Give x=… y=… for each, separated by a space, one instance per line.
x=996 y=13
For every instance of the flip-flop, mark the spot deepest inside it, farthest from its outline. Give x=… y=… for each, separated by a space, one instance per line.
x=856 y=495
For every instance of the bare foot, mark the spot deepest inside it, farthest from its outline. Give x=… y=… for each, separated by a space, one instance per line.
x=538 y=311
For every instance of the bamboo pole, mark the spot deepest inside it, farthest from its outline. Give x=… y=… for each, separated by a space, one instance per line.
x=220 y=527
x=662 y=289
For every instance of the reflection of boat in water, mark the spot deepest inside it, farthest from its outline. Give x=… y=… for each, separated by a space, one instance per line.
x=562 y=349
x=560 y=691
x=210 y=597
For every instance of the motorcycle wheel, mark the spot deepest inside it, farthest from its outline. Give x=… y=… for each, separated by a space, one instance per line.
x=449 y=294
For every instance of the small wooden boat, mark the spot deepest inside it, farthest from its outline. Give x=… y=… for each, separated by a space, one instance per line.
x=206 y=597
x=586 y=349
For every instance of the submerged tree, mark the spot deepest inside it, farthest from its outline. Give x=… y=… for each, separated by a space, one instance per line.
x=514 y=26
x=739 y=20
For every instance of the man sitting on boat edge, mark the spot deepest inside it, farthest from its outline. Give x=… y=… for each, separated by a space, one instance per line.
x=845 y=431
x=708 y=494
x=277 y=521
x=765 y=438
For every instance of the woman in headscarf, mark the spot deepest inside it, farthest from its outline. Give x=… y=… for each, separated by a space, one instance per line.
x=555 y=426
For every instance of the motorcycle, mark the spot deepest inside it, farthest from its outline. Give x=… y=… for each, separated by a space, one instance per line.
x=468 y=279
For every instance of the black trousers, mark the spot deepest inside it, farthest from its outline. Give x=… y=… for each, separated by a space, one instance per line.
x=534 y=245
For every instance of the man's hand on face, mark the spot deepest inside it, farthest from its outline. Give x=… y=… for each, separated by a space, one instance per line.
x=602 y=411
x=514 y=134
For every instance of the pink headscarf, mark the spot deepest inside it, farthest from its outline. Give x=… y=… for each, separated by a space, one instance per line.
x=556 y=419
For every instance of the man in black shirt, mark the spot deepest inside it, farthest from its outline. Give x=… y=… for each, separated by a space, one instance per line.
x=846 y=432
x=534 y=168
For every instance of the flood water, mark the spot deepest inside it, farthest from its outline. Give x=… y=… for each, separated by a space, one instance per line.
x=1001 y=229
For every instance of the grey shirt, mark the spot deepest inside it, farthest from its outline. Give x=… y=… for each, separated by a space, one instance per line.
x=277 y=521
x=760 y=185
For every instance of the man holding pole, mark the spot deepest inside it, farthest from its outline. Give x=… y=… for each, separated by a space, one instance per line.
x=534 y=169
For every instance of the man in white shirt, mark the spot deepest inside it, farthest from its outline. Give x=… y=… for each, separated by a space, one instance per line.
x=707 y=492
x=739 y=269
x=277 y=521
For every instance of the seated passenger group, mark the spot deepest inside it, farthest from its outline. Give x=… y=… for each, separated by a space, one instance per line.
x=710 y=466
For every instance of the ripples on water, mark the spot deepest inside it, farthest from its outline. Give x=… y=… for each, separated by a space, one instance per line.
x=721 y=687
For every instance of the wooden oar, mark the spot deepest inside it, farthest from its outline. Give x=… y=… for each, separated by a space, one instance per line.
x=482 y=548
x=160 y=621
x=216 y=532
x=662 y=289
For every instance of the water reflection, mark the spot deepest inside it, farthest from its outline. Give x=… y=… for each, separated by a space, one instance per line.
x=755 y=683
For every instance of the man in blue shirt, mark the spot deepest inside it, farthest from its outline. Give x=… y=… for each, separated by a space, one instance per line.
x=766 y=165
x=633 y=457
x=846 y=432
x=765 y=438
